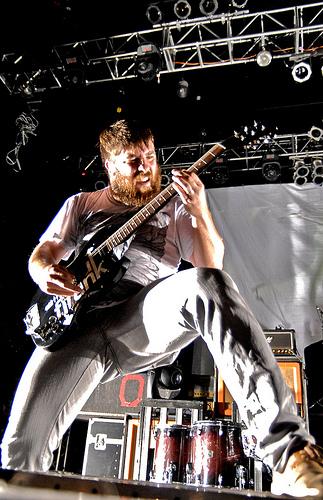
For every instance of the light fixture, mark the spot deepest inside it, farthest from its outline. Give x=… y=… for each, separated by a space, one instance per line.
x=74 y=76
x=264 y=58
x=219 y=175
x=315 y=133
x=208 y=7
x=148 y=62
x=271 y=168
x=219 y=172
x=168 y=382
x=182 y=89
x=182 y=9
x=27 y=87
x=100 y=184
x=317 y=172
x=239 y=4
x=153 y=13
x=301 y=172
x=302 y=71
x=166 y=177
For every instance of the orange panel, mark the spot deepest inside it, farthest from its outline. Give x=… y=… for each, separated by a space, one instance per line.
x=292 y=373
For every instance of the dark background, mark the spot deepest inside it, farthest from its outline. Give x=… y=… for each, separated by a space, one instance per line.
x=69 y=121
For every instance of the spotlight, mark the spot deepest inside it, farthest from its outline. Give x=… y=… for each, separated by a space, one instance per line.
x=264 y=58
x=271 y=168
x=182 y=89
x=100 y=184
x=166 y=178
x=302 y=71
x=317 y=173
x=148 y=61
x=301 y=172
x=239 y=4
x=73 y=76
x=315 y=133
x=219 y=173
x=208 y=7
x=182 y=9
x=168 y=382
x=154 y=14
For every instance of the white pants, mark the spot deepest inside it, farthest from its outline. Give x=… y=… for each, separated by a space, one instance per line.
x=148 y=331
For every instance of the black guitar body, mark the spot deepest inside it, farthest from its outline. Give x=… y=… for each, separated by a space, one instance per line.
x=50 y=316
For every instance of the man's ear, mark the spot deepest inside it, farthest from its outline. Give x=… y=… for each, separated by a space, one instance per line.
x=106 y=168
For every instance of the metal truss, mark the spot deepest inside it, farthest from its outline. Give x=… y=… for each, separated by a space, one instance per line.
x=292 y=33
x=238 y=159
x=241 y=159
x=288 y=147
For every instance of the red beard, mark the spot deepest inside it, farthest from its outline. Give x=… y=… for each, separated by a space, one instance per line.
x=124 y=189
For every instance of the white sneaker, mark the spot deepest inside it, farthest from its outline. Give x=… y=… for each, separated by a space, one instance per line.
x=303 y=474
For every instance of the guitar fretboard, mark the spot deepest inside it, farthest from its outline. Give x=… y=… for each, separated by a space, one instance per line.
x=127 y=229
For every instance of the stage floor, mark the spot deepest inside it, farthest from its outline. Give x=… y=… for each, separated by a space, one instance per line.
x=16 y=485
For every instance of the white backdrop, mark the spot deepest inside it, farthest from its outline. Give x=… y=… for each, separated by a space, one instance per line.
x=273 y=235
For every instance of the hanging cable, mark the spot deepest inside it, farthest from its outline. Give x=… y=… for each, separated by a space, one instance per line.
x=27 y=125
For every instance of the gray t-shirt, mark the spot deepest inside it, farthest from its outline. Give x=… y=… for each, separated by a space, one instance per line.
x=87 y=219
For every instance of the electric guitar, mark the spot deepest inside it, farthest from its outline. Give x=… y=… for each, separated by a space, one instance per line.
x=50 y=316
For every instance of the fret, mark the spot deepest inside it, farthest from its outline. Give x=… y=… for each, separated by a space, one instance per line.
x=163 y=198
x=123 y=231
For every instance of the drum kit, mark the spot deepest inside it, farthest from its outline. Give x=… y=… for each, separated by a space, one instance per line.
x=210 y=452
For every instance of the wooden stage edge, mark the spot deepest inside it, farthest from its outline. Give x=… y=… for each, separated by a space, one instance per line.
x=20 y=485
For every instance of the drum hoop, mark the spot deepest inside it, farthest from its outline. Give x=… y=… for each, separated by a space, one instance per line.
x=217 y=423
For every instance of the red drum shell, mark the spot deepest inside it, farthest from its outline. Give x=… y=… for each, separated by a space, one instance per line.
x=215 y=451
x=171 y=453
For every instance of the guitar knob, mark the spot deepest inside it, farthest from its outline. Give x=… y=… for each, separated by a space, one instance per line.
x=53 y=324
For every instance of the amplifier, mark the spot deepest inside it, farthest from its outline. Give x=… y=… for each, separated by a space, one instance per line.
x=282 y=342
x=292 y=371
x=120 y=396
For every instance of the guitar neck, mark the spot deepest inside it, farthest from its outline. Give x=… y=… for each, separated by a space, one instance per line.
x=145 y=213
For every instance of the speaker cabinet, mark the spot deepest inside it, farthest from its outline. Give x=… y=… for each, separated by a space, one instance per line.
x=120 y=396
x=293 y=373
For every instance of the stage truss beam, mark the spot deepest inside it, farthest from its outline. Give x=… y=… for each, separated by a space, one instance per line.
x=292 y=33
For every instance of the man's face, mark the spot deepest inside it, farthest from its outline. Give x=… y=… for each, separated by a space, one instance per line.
x=134 y=174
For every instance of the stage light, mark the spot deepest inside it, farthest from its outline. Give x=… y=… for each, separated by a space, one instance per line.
x=148 y=62
x=315 y=133
x=264 y=58
x=154 y=14
x=208 y=7
x=219 y=173
x=317 y=172
x=168 y=382
x=74 y=76
x=302 y=71
x=182 y=9
x=166 y=177
x=271 y=168
x=100 y=184
x=301 y=172
x=182 y=89
x=239 y=4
